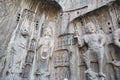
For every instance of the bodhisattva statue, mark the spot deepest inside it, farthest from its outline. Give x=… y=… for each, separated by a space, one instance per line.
x=46 y=49
x=95 y=42
x=46 y=44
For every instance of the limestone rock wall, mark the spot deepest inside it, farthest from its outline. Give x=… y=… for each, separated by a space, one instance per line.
x=105 y=19
x=37 y=40
x=23 y=23
x=89 y=5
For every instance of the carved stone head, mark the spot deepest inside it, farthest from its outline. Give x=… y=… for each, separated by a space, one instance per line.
x=27 y=14
x=90 y=28
x=48 y=32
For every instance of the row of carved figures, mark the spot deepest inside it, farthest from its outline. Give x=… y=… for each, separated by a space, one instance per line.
x=95 y=41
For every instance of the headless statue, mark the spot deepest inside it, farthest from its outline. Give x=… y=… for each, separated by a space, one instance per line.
x=95 y=42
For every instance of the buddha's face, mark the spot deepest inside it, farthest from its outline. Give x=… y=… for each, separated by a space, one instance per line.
x=90 y=28
x=48 y=32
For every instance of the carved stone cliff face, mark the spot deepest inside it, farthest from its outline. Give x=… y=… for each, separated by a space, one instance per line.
x=59 y=40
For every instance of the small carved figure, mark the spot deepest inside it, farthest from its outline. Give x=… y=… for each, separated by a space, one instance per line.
x=95 y=42
x=26 y=22
x=32 y=44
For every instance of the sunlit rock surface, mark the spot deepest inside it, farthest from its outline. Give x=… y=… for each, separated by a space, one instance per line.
x=41 y=40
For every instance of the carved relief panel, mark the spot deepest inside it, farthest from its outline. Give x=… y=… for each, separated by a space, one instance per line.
x=19 y=49
x=104 y=24
x=64 y=41
x=87 y=48
x=27 y=68
x=62 y=65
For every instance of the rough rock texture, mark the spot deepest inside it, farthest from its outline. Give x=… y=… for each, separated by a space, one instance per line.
x=38 y=39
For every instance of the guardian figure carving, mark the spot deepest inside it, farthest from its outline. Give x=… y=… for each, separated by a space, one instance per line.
x=95 y=42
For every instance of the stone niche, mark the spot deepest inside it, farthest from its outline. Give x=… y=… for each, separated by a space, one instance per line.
x=106 y=21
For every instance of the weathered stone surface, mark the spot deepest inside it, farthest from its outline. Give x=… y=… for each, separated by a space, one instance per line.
x=43 y=40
